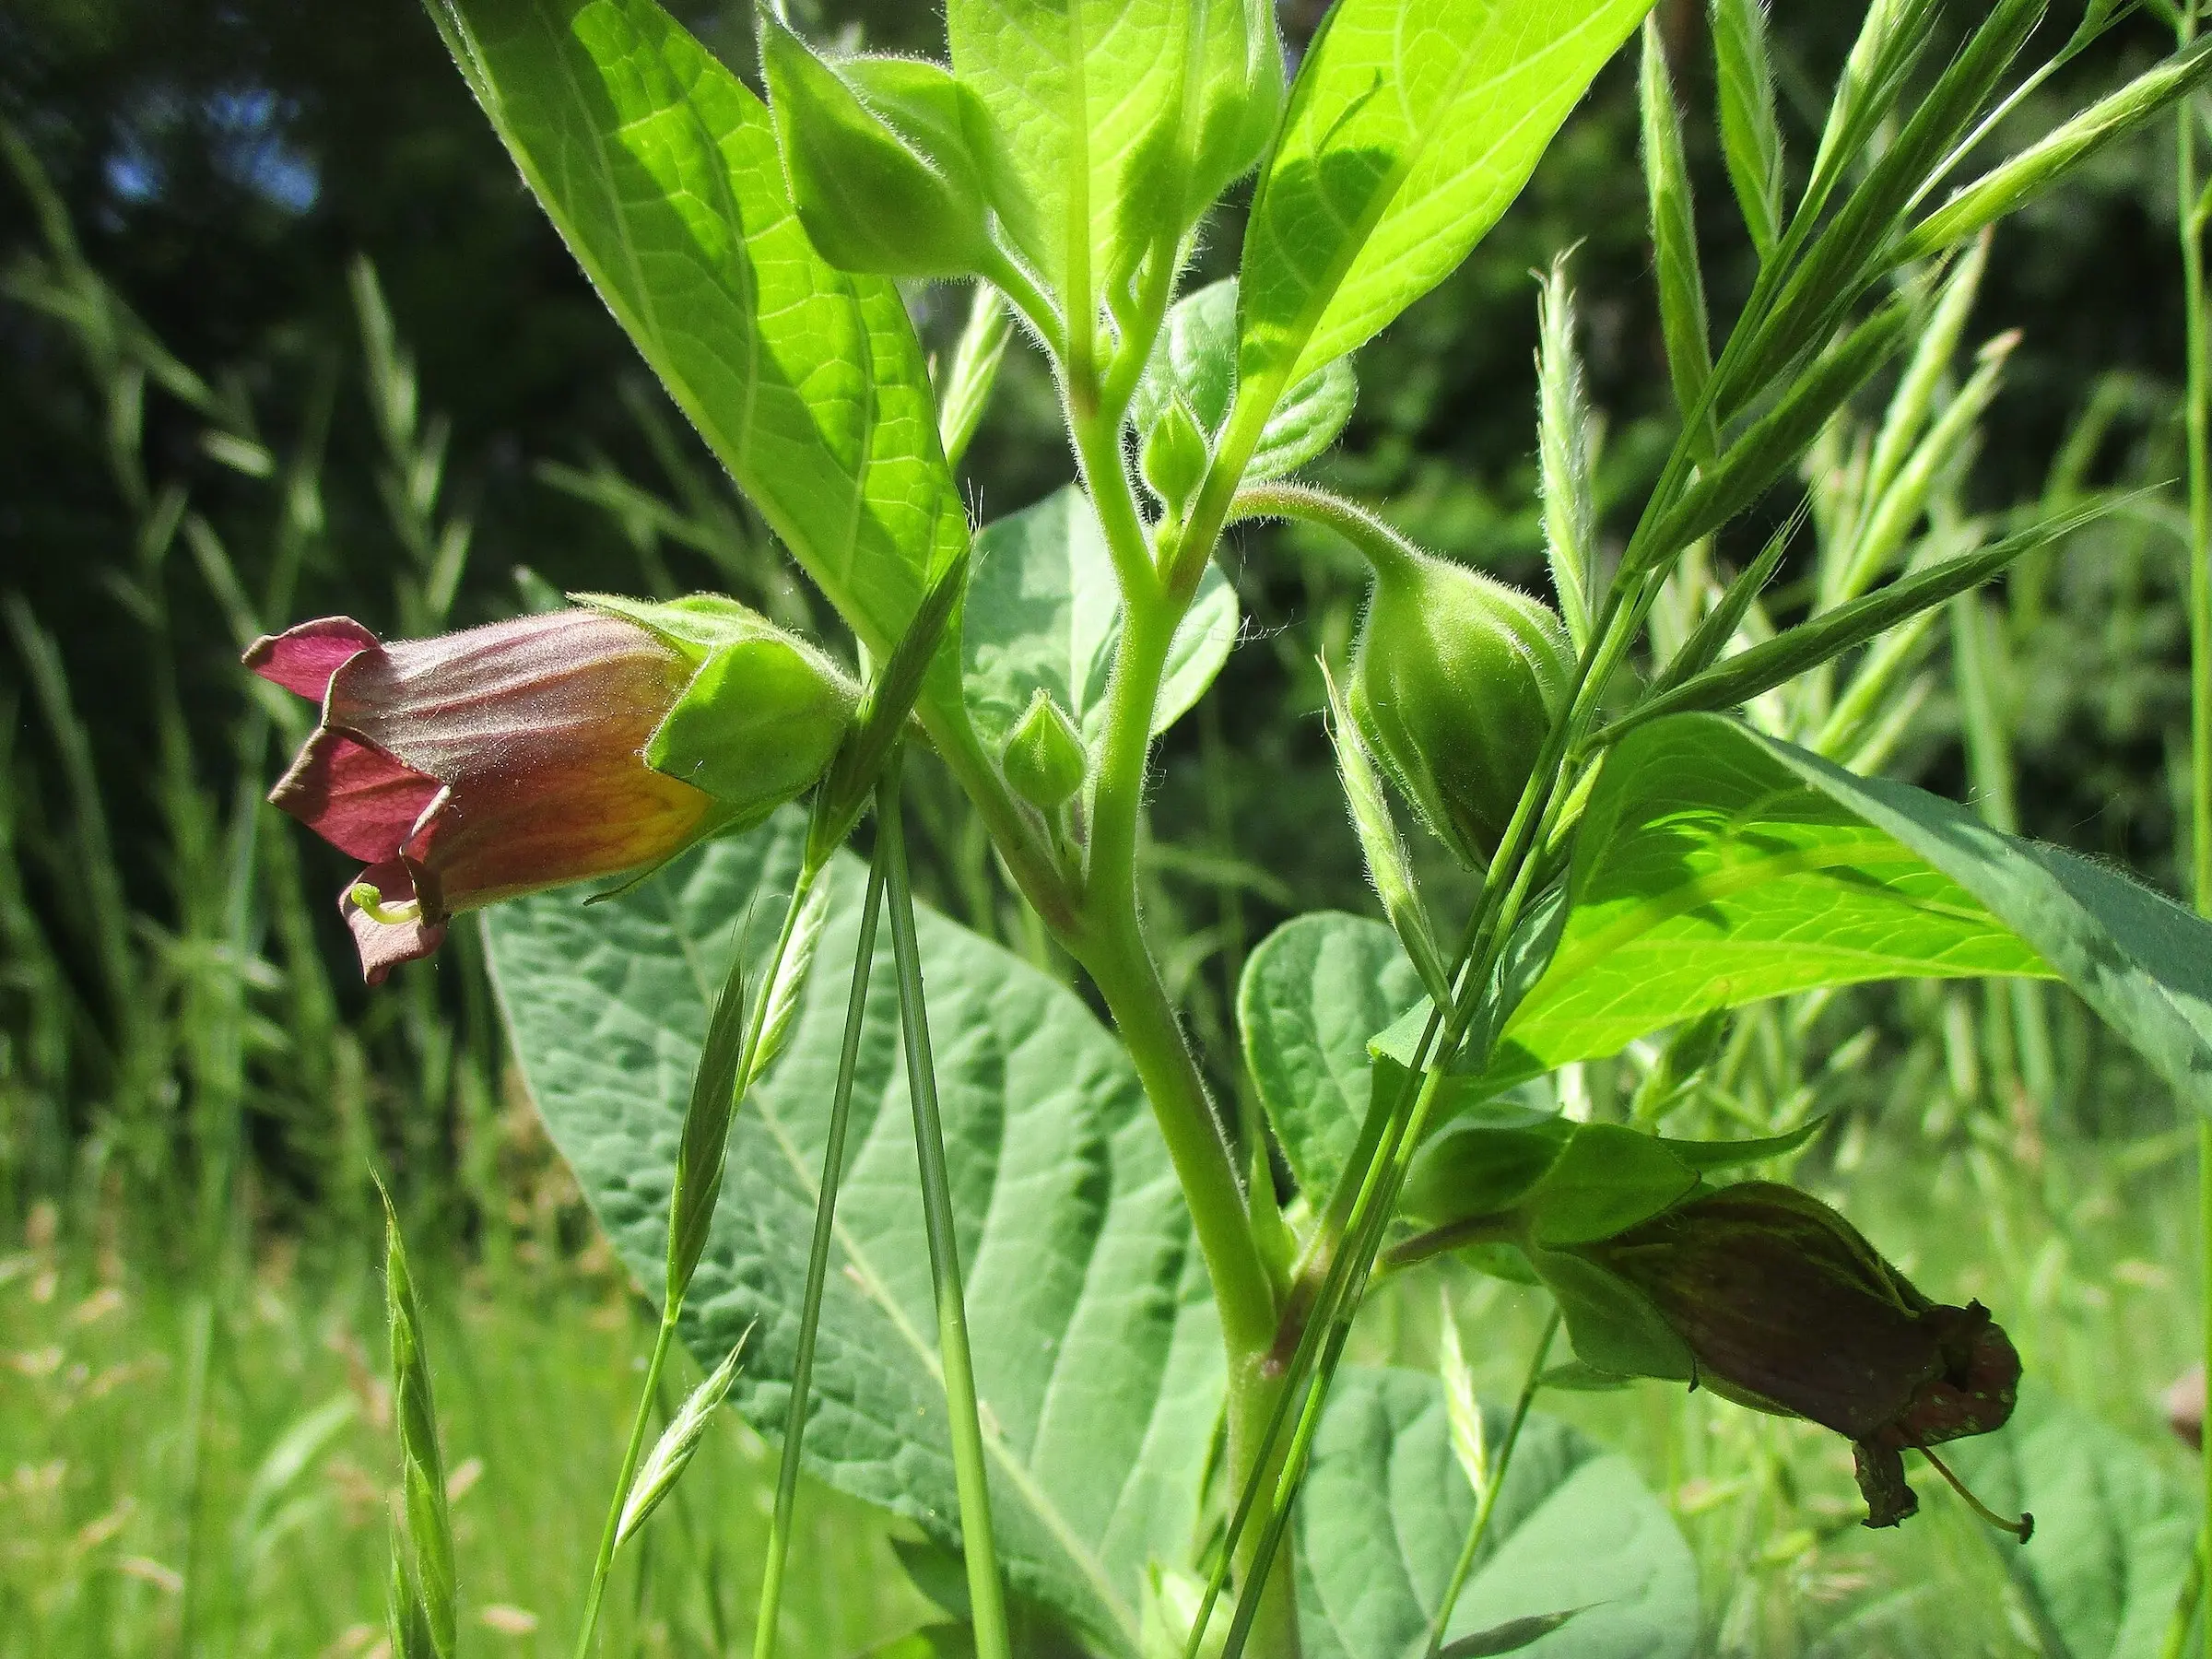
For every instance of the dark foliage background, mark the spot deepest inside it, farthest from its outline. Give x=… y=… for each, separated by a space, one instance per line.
x=223 y=165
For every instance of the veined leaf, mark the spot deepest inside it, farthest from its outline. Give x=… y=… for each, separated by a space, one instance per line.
x=660 y=170
x=2112 y=1533
x=1410 y=129
x=1195 y=356
x=1112 y=141
x=1385 y=1508
x=1097 y=1345
x=1312 y=993
x=1044 y=613
x=1707 y=874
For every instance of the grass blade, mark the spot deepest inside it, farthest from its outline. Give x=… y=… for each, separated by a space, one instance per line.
x=818 y=1267
x=1682 y=315
x=1711 y=637
x=422 y=1569
x=1828 y=636
x=985 y=1594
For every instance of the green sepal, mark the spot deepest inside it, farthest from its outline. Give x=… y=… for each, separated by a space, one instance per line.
x=1045 y=759
x=1484 y=1162
x=1613 y=1325
x=697 y=624
x=758 y=724
x=882 y=158
x=1607 y=1179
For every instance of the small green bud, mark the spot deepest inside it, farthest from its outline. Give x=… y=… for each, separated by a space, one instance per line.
x=1454 y=683
x=1045 y=759
x=886 y=159
x=1173 y=456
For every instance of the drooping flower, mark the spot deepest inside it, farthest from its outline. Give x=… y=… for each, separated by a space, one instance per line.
x=504 y=759
x=1787 y=1307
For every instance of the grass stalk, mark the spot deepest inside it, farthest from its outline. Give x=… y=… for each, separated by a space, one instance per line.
x=817 y=1269
x=727 y=1072
x=2198 y=412
x=972 y=1480
x=1486 y=1499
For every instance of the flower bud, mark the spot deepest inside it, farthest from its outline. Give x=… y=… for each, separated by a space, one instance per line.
x=1044 y=760
x=1785 y=1307
x=889 y=158
x=1173 y=457
x=505 y=759
x=1454 y=684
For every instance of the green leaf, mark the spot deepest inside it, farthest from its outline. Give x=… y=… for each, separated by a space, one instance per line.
x=1708 y=873
x=1607 y=1178
x=1312 y=993
x=1410 y=129
x=1097 y=1345
x=660 y=170
x=1386 y=1507
x=1106 y=151
x=1717 y=865
x=2112 y=1531
x=1044 y=614
x=1195 y=356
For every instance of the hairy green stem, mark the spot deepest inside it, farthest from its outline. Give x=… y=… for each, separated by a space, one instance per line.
x=986 y=1593
x=818 y=1269
x=1486 y=1499
x=1545 y=795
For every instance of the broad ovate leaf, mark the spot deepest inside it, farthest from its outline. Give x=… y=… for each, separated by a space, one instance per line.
x=1097 y=1345
x=2113 y=1531
x=659 y=166
x=1314 y=992
x=1386 y=1506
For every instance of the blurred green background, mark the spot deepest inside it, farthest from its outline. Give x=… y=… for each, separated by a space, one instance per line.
x=283 y=335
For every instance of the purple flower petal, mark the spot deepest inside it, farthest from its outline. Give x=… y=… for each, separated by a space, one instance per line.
x=302 y=659
x=354 y=796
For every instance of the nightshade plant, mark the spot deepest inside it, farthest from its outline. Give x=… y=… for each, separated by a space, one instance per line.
x=1137 y=1425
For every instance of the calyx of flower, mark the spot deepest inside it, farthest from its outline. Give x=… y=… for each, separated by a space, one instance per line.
x=1454 y=683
